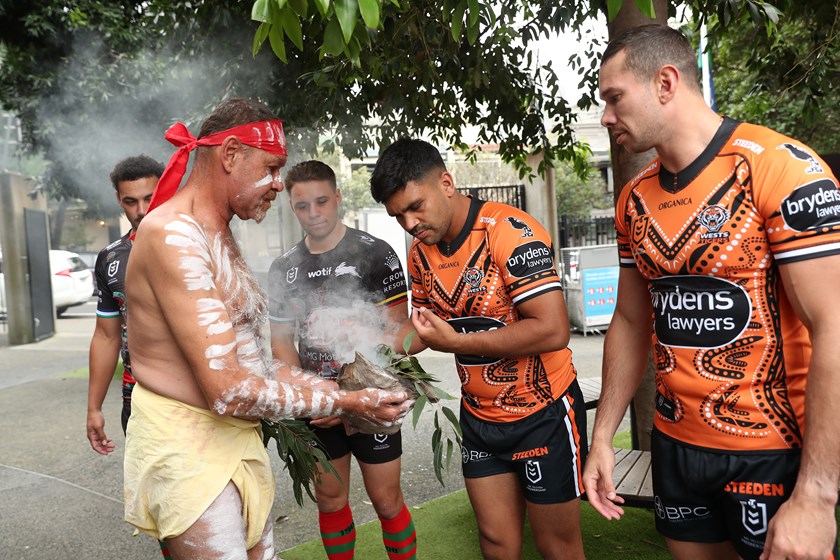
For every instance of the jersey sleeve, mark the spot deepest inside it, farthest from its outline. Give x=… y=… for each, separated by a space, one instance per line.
x=622 y=230
x=419 y=293
x=278 y=298
x=522 y=250
x=799 y=200
x=386 y=276
x=626 y=200
x=107 y=306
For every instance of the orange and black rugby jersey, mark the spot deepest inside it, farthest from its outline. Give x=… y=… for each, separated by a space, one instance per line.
x=731 y=355
x=501 y=258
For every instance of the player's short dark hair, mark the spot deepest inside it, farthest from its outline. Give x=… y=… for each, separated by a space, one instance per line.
x=312 y=170
x=233 y=112
x=650 y=47
x=405 y=160
x=135 y=167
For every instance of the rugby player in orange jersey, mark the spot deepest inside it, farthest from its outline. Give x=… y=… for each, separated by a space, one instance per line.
x=729 y=246
x=484 y=288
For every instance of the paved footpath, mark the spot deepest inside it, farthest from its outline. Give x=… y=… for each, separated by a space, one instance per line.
x=60 y=500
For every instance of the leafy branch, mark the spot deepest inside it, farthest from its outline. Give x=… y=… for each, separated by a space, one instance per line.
x=297 y=446
x=409 y=368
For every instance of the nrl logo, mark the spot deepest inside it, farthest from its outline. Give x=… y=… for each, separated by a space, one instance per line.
x=113 y=268
x=428 y=281
x=533 y=472
x=291 y=275
x=754 y=517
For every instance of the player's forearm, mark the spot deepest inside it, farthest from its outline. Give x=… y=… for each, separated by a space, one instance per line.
x=293 y=374
x=255 y=397
x=626 y=351
x=526 y=337
x=102 y=362
x=819 y=473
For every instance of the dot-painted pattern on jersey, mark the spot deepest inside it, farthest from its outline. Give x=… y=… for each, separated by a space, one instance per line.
x=501 y=258
x=109 y=271
x=731 y=355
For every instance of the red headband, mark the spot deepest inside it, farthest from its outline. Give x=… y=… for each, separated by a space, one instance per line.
x=265 y=135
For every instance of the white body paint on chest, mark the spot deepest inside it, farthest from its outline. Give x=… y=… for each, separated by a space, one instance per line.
x=215 y=264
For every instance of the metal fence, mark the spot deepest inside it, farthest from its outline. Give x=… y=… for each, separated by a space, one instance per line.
x=583 y=232
x=513 y=195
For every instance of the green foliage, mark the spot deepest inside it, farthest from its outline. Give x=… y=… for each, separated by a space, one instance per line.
x=297 y=447
x=93 y=81
x=578 y=196
x=355 y=190
x=75 y=237
x=443 y=440
x=798 y=99
x=436 y=67
x=354 y=185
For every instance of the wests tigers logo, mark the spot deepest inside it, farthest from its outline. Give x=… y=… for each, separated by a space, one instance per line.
x=473 y=276
x=713 y=217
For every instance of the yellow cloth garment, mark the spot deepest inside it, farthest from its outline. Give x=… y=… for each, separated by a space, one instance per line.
x=179 y=458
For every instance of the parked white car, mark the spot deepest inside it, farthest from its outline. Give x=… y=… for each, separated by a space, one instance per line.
x=72 y=281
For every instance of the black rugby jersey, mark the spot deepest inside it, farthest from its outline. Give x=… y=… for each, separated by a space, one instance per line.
x=316 y=291
x=110 y=281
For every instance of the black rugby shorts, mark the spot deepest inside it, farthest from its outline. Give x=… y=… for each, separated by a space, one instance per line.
x=374 y=449
x=546 y=450
x=708 y=496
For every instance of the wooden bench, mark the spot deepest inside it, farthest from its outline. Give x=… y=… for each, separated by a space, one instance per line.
x=591 y=389
x=632 y=476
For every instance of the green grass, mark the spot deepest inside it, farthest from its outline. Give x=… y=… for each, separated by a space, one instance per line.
x=446 y=529
x=623 y=440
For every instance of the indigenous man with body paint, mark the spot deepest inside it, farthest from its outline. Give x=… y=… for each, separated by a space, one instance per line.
x=338 y=273
x=196 y=472
x=729 y=246
x=134 y=181
x=485 y=288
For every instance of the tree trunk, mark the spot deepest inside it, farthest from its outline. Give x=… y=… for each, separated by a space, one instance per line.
x=625 y=166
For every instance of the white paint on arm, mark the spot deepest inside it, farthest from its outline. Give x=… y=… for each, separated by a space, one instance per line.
x=266 y=398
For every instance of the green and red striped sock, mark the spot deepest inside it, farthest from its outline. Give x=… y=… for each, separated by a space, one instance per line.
x=164 y=549
x=399 y=536
x=338 y=533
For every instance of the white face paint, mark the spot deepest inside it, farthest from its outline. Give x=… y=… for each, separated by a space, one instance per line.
x=267 y=180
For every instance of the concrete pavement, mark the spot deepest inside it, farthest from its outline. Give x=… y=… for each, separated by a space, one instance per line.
x=59 y=499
